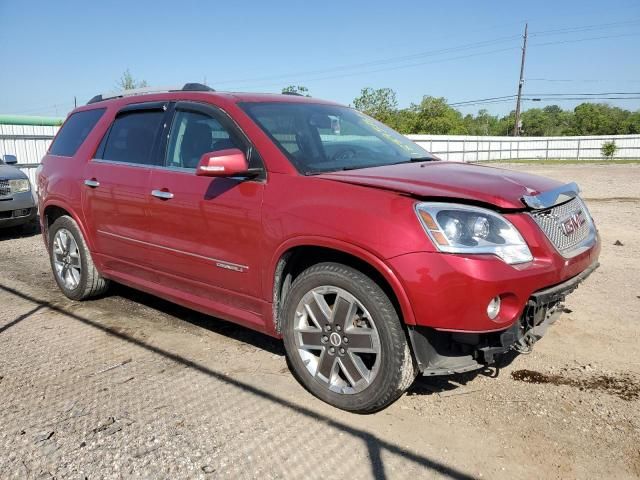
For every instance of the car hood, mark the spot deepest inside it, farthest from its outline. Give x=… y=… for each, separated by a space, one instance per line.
x=447 y=180
x=8 y=172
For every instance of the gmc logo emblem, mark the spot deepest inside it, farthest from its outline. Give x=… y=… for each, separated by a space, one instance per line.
x=572 y=223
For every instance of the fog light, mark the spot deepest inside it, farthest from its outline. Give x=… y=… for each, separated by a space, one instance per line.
x=493 y=309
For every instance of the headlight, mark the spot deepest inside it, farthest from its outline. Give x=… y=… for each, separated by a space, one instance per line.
x=19 y=185
x=472 y=230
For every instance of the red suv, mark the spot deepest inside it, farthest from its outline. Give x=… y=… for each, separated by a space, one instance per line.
x=311 y=222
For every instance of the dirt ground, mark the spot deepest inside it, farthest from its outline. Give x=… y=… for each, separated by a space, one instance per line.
x=130 y=386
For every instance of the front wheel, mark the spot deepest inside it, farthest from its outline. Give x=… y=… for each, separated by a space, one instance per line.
x=344 y=340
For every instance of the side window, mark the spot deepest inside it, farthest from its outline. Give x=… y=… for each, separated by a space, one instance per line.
x=131 y=137
x=194 y=134
x=74 y=131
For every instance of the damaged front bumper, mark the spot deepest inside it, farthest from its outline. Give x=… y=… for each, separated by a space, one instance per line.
x=445 y=353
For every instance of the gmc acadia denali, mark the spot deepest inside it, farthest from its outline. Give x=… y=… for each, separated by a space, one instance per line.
x=311 y=222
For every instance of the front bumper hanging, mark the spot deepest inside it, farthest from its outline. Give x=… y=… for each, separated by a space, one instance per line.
x=445 y=353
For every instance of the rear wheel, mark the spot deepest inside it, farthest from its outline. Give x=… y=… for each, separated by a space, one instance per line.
x=344 y=340
x=71 y=262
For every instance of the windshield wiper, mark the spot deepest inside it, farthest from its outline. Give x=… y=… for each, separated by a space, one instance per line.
x=421 y=159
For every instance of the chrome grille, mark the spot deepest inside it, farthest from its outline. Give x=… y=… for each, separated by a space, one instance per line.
x=565 y=234
x=4 y=188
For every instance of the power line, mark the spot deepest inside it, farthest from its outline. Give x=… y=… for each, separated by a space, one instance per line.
x=583 y=80
x=561 y=99
x=548 y=97
x=580 y=94
x=355 y=69
x=584 y=28
x=559 y=42
x=474 y=45
x=381 y=61
x=393 y=68
x=481 y=100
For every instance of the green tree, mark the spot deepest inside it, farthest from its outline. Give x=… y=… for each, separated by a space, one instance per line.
x=482 y=124
x=297 y=89
x=599 y=119
x=535 y=122
x=632 y=123
x=380 y=104
x=435 y=116
x=127 y=82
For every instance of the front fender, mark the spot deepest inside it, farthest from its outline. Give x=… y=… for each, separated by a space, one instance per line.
x=366 y=256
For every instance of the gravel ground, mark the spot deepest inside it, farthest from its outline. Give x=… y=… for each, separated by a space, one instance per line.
x=132 y=386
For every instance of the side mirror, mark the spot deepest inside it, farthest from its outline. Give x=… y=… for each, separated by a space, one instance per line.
x=10 y=159
x=223 y=163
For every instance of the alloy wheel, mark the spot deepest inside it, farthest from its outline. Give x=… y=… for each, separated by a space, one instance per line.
x=66 y=259
x=337 y=339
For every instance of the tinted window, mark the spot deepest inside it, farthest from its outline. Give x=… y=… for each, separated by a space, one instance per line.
x=74 y=131
x=194 y=134
x=131 y=137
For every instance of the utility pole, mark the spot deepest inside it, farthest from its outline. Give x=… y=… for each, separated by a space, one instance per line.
x=516 y=128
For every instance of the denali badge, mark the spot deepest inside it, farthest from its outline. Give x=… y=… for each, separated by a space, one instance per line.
x=572 y=223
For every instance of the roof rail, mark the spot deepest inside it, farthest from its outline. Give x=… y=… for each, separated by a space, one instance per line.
x=187 y=87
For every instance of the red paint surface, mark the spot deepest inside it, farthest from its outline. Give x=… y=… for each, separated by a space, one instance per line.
x=171 y=248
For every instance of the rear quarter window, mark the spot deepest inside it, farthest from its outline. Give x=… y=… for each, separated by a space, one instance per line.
x=74 y=132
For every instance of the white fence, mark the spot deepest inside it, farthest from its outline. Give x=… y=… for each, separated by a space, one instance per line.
x=477 y=149
x=29 y=144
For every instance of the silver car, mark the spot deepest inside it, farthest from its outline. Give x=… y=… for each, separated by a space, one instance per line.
x=17 y=202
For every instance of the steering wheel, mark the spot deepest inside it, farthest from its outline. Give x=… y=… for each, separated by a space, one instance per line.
x=345 y=154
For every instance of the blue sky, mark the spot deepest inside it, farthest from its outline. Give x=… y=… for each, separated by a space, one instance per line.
x=460 y=50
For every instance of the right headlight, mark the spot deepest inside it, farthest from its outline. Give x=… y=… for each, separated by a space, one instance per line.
x=19 y=185
x=465 y=229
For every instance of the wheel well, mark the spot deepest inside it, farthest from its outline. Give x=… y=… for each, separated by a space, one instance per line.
x=51 y=214
x=294 y=261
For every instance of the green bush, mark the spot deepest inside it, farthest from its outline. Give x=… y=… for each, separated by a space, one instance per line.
x=608 y=149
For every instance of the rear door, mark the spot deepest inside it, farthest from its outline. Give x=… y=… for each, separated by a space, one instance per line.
x=116 y=191
x=207 y=231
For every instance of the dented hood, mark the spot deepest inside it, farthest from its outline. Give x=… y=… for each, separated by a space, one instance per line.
x=447 y=180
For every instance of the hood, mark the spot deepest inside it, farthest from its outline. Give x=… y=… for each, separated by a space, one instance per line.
x=7 y=172
x=447 y=180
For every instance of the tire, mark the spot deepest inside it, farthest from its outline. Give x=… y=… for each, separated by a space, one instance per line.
x=373 y=340
x=73 y=268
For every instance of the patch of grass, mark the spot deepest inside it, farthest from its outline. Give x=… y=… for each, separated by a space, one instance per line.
x=565 y=161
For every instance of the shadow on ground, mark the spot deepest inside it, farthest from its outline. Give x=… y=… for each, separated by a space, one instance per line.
x=450 y=383
x=24 y=231
x=201 y=320
x=422 y=385
x=375 y=445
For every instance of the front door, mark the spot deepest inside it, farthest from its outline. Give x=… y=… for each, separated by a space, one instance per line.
x=207 y=231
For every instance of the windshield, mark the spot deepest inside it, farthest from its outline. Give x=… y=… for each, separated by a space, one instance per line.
x=324 y=138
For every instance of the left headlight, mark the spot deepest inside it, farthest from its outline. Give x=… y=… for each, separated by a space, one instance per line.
x=472 y=230
x=19 y=185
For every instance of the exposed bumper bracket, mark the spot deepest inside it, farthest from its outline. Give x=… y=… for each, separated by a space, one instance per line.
x=445 y=353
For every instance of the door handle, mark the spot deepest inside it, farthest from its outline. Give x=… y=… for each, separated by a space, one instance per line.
x=162 y=194
x=93 y=183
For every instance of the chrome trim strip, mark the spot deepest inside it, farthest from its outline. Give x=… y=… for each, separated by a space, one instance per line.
x=127 y=164
x=188 y=171
x=236 y=267
x=551 y=198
